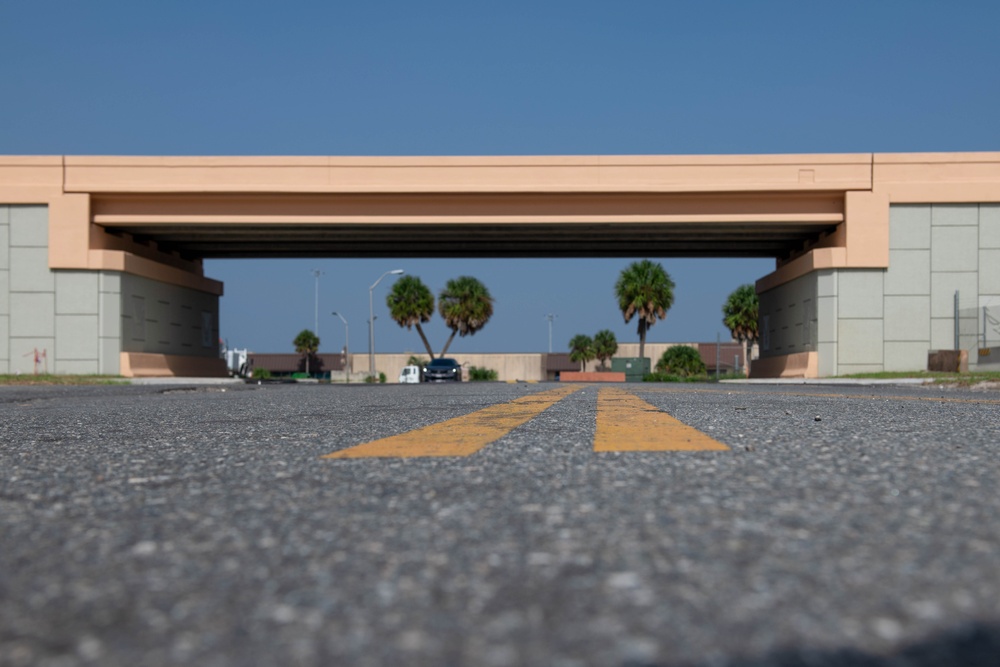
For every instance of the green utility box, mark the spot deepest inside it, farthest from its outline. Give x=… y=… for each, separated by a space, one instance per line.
x=634 y=368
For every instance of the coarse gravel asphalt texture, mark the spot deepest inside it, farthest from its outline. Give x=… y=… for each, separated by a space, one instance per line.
x=148 y=526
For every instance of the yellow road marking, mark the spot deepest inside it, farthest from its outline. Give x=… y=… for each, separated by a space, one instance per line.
x=626 y=423
x=460 y=436
x=930 y=399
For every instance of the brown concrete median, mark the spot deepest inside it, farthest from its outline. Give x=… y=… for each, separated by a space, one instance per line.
x=577 y=376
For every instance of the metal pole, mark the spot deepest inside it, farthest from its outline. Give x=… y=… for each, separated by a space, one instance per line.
x=316 y=273
x=371 y=332
x=550 y=317
x=718 y=353
x=371 y=355
x=957 y=345
x=371 y=320
x=347 y=347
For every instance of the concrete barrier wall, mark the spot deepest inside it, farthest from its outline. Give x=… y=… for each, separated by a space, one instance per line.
x=509 y=367
x=168 y=319
x=70 y=318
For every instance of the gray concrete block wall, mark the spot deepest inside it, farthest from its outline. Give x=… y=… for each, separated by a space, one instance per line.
x=167 y=319
x=936 y=250
x=989 y=277
x=860 y=320
x=789 y=315
x=78 y=318
x=826 y=321
x=907 y=289
x=109 y=325
x=869 y=320
x=59 y=314
x=30 y=291
x=4 y=289
x=955 y=268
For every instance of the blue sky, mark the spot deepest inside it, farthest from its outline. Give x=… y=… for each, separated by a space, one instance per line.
x=476 y=78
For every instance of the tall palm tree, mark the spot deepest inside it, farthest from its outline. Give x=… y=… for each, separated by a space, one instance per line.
x=740 y=314
x=306 y=344
x=581 y=348
x=466 y=306
x=605 y=346
x=645 y=289
x=410 y=302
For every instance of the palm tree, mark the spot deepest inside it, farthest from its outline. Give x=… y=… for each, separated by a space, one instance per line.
x=466 y=306
x=410 y=302
x=740 y=316
x=605 y=346
x=581 y=348
x=644 y=289
x=306 y=344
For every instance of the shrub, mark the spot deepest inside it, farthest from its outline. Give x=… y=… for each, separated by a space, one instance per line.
x=381 y=377
x=261 y=374
x=482 y=374
x=682 y=360
x=415 y=360
x=669 y=377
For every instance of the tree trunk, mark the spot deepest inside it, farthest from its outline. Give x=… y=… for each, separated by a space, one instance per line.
x=642 y=339
x=746 y=358
x=448 y=343
x=424 y=338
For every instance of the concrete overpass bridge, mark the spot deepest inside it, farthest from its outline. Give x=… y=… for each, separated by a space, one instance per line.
x=101 y=257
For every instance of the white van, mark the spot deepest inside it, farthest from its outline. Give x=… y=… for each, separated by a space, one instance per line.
x=409 y=375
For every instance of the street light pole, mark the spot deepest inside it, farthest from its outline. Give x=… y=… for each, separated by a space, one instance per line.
x=347 y=346
x=550 y=317
x=371 y=320
x=316 y=273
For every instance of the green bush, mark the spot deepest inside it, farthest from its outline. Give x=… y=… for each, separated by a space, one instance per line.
x=261 y=374
x=682 y=360
x=381 y=377
x=482 y=374
x=669 y=377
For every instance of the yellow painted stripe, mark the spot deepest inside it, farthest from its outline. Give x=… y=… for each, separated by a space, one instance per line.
x=460 y=436
x=626 y=423
x=807 y=394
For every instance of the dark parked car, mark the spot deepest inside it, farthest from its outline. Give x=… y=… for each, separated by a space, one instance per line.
x=440 y=370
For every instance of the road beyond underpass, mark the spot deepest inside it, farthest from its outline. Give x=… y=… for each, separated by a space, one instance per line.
x=491 y=524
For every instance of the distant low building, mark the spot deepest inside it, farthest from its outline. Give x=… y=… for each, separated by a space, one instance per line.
x=279 y=365
x=722 y=358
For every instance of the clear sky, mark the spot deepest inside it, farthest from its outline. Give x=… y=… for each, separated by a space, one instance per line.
x=505 y=78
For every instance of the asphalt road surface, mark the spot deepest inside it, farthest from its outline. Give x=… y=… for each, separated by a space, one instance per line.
x=499 y=524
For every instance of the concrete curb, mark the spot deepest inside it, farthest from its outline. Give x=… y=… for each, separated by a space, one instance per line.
x=849 y=382
x=183 y=381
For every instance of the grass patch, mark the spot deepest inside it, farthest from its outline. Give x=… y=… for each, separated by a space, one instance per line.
x=44 y=379
x=961 y=379
x=671 y=377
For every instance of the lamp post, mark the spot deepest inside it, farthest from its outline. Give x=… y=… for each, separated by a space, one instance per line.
x=316 y=273
x=371 y=320
x=347 y=346
x=550 y=317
